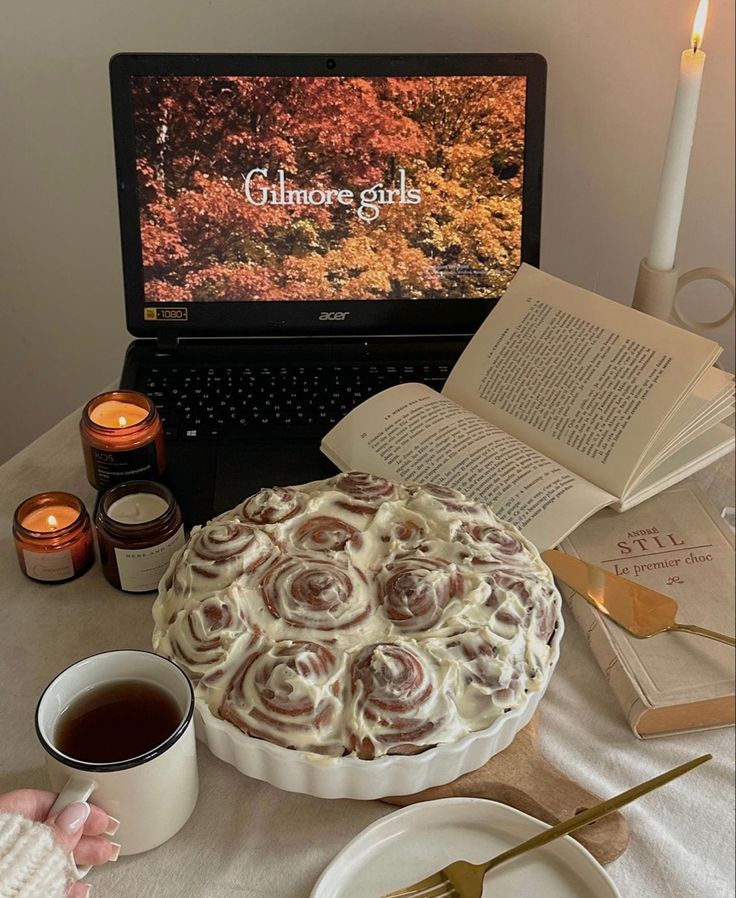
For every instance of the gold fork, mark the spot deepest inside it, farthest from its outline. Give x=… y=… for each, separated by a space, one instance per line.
x=462 y=879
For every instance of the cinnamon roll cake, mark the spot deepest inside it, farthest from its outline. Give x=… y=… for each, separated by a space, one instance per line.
x=356 y=615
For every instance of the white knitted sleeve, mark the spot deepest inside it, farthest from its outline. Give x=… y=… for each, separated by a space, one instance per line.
x=32 y=863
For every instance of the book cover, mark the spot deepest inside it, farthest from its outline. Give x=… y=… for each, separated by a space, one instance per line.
x=677 y=544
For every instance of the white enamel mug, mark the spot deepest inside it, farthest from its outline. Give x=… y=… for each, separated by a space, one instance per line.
x=152 y=795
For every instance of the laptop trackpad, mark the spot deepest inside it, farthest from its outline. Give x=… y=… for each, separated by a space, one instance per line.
x=243 y=468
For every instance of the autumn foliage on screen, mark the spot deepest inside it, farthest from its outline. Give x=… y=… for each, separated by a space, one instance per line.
x=268 y=188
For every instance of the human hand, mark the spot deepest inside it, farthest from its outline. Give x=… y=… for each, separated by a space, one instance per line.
x=80 y=828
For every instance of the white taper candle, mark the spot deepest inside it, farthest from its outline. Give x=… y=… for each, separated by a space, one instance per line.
x=677 y=157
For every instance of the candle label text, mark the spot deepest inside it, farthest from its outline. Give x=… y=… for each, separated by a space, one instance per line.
x=49 y=566
x=141 y=569
x=128 y=464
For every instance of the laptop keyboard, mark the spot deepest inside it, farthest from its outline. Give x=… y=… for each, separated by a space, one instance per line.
x=238 y=402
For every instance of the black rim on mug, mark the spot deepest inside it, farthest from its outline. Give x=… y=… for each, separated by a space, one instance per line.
x=136 y=761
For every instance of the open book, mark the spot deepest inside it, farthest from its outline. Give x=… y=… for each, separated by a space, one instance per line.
x=561 y=404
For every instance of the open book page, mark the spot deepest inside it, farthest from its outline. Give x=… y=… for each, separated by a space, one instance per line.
x=711 y=401
x=707 y=448
x=410 y=432
x=698 y=453
x=684 y=447
x=659 y=454
x=586 y=381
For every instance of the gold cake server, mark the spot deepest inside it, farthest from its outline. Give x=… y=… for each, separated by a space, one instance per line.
x=641 y=611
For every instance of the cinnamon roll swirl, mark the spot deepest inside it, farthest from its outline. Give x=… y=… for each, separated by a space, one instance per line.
x=315 y=593
x=395 y=706
x=199 y=637
x=487 y=547
x=488 y=677
x=406 y=532
x=272 y=505
x=417 y=590
x=528 y=602
x=219 y=553
x=289 y=694
x=367 y=490
x=450 y=500
x=324 y=533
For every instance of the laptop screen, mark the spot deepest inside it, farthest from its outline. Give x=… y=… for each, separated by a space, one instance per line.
x=353 y=195
x=258 y=188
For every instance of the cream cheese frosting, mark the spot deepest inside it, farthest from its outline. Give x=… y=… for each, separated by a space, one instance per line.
x=359 y=615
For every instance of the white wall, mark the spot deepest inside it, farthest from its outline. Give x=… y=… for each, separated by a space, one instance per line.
x=612 y=73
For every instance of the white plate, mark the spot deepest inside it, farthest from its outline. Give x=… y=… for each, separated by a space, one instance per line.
x=409 y=844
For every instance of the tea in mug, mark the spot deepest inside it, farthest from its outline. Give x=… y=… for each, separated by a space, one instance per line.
x=117 y=721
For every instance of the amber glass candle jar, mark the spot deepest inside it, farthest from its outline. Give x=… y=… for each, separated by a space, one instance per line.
x=53 y=537
x=122 y=438
x=139 y=527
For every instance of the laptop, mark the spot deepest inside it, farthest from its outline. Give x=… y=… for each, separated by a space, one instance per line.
x=300 y=232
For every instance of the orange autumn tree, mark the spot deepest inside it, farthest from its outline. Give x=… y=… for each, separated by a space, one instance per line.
x=459 y=141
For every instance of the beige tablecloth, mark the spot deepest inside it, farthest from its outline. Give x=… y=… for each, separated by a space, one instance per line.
x=249 y=839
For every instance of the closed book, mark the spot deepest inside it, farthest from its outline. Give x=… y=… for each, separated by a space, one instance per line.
x=678 y=544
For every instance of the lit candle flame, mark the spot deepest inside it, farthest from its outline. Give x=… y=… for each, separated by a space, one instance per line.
x=122 y=421
x=699 y=25
x=52 y=521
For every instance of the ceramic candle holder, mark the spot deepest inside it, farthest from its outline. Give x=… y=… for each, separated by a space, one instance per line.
x=139 y=527
x=122 y=438
x=657 y=294
x=53 y=537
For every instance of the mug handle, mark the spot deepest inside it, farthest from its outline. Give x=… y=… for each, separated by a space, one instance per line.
x=75 y=789
x=704 y=274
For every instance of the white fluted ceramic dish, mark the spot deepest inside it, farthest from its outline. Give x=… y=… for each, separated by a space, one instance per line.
x=409 y=844
x=351 y=777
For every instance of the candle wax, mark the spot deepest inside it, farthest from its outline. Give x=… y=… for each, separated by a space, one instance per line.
x=116 y=414
x=679 y=143
x=50 y=518
x=676 y=162
x=137 y=508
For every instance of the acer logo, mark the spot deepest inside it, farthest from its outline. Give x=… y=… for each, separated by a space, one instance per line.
x=333 y=316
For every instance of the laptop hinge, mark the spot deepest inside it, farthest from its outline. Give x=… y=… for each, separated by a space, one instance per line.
x=166 y=344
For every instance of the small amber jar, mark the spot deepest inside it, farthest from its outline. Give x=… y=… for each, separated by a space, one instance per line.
x=53 y=537
x=139 y=527
x=122 y=438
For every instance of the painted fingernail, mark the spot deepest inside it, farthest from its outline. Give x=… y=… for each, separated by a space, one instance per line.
x=113 y=827
x=115 y=851
x=73 y=818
